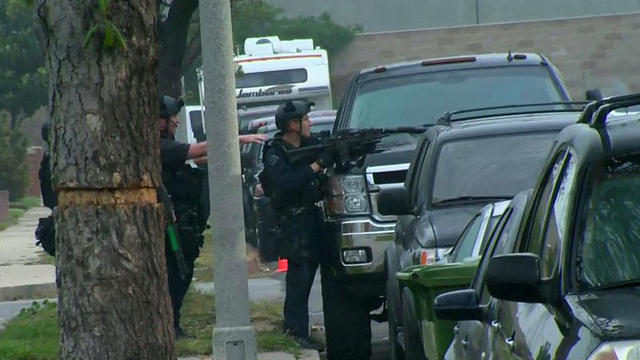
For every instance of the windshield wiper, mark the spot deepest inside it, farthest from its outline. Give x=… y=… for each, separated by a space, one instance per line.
x=462 y=199
x=617 y=285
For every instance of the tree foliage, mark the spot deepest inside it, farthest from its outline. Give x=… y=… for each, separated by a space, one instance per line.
x=257 y=18
x=23 y=78
x=14 y=175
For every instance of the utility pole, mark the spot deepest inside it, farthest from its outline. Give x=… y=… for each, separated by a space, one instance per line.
x=234 y=337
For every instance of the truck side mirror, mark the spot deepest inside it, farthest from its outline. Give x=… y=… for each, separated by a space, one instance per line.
x=196 y=126
x=394 y=201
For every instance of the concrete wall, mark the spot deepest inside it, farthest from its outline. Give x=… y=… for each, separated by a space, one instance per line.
x=592 y=52
x=385 y=15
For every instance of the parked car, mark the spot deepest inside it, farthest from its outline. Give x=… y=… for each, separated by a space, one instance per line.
x=472 y=335
x=259 y=217
x=571 y=290
x=424 y=336
x=459 y=167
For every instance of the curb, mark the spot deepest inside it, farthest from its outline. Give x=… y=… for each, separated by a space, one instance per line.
x=22 y=292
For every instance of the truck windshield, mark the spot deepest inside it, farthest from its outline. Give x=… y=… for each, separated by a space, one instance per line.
x=419 y=99
x=611 y=227
x=489 y=167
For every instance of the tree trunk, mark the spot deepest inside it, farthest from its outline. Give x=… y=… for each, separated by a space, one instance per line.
x=113 y=299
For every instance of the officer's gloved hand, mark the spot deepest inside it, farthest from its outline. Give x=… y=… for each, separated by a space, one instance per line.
x=325 y=159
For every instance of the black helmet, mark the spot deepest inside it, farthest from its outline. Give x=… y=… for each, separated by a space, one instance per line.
x=291 y=110
x=169 y=106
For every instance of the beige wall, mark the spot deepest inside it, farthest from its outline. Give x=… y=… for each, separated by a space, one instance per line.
x=594 y=52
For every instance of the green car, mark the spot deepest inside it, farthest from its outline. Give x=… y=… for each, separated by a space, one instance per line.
x=426 y=337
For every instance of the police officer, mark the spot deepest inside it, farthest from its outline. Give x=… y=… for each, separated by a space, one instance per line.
x=294 y=188
x=186 y=186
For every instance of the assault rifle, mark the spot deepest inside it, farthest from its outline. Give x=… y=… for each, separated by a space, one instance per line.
x=347 y=148
x=172 y=232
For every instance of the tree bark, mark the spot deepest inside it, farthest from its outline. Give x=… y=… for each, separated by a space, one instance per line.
x=113 y=298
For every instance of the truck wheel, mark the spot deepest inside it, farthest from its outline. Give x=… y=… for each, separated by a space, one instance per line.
x=413 y=349
x=393 y=312
x=347 y=323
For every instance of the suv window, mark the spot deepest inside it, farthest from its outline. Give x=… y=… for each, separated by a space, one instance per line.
x=418 y=99
x=608 y=245
x=500 y=167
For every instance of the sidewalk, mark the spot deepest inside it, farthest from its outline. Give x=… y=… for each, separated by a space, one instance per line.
x=20 y=276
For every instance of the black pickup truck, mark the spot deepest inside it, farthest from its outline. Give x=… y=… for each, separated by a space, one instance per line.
x=411 y=94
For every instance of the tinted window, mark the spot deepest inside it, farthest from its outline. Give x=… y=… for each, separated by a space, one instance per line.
x=422 y=98
x=268 y=78
x=609 y=245
x=499 y=166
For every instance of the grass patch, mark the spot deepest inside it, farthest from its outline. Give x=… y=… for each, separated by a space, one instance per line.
x=16 y=214
x=32 y=335
x=266 y=317
x=26 y=203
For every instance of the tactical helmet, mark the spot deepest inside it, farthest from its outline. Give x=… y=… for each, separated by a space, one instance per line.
x=169 y=106
x=291 y=110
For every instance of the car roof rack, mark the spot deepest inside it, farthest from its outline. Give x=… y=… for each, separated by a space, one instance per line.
x=570 y=106
x=595 y=113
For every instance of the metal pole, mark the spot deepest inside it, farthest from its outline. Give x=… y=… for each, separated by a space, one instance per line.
x=477 y=12
x=233 y=335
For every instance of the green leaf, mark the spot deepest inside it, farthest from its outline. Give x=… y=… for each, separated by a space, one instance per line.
x=87 y=37
x=119 y=38
x=108 y=34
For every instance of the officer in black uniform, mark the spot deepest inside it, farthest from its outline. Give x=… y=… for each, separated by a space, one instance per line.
x=188 y=188
x=294 y=190
x=184 y=185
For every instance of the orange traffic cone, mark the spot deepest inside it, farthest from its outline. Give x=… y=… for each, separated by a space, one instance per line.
x=283 y=265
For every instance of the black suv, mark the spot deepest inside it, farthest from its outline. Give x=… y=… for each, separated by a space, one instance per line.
x=410 y=94
x=459 y=167
x=572 y=290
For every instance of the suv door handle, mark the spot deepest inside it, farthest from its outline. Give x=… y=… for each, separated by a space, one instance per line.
x=495 y=325
x=511 y=344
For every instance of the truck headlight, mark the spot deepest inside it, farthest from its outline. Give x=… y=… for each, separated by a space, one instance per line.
x=617 y=350
x=347 y=196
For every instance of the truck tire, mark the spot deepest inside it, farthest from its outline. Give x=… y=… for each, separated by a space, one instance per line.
x=347 y=322
x=394 y=310
x=413 y=349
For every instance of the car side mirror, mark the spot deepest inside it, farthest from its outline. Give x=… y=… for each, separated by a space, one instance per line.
x=197 y=126
x=458 y=305
x=515 y=277
x=593 y=95
x=394 y=201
